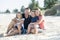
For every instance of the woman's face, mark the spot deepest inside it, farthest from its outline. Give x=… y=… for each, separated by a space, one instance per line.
x=18 y=15
x=32 y=14
x=37 y=13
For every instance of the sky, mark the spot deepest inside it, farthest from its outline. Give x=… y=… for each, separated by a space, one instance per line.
x=13 y=4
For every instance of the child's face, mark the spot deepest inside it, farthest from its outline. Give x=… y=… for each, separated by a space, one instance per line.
x=32 y=14
x=18 y=15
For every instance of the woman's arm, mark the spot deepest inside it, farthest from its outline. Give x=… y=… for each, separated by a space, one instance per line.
x=19 y=28
x=41 y=18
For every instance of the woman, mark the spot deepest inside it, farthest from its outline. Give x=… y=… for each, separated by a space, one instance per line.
x=41 y=18
x=14 y=27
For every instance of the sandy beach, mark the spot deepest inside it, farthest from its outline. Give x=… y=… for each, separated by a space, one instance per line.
x=52 y=26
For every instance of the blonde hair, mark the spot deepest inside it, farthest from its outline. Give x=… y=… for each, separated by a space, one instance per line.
x=40 y=13
x=39 y=10
x=20 y=15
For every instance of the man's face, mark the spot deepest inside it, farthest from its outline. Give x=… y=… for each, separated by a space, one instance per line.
x=27 y=11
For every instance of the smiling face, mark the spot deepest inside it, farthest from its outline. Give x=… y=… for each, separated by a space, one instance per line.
x=32 y=14
x=37 y=12
x=18 y=15
x=27 y=11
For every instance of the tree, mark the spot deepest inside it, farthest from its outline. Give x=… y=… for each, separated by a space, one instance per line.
x=7 y=11
x=49 y=3
x=22 y=9
x=33 y=5
x=15 y=10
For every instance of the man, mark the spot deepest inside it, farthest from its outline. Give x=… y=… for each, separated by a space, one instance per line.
x=27 y=18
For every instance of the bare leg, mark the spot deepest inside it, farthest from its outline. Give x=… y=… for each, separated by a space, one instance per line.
x=12 y=33
x=10 y=26
x=29 y=28
x=11 y=30
x=19 y=28
x=35 y=29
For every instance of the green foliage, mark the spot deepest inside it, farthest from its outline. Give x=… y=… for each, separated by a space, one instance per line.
x=7 y=11
x=22 y=9
x=49 y=3
x=53 y=11
x=33 y=5
x=15 y=10
x=50 y=12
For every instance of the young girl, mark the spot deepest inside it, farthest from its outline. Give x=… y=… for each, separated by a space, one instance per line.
x=16 y=29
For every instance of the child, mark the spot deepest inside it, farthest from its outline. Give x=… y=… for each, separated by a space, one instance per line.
x=31 y=27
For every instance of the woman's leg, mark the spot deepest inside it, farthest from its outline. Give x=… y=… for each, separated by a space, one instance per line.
x=10 y=26
x=19 y=28
x=13 y=32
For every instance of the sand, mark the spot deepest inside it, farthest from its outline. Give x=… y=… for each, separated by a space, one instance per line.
x=52 y=26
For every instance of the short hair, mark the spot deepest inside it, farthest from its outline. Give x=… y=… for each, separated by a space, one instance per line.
x=33 y=10
x=19 y=12
x=27 y=8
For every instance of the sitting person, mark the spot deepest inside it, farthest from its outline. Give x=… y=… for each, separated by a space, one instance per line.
x=39 y=24
x=31 y=28
x=41 y=18
x=13 y=27
x=27 y=19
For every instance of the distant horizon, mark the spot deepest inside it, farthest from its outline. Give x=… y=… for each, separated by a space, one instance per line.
x=16 y=4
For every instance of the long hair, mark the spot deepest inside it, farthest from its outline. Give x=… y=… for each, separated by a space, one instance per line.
x=39 y=10
x=40 y=13
x=20 y=15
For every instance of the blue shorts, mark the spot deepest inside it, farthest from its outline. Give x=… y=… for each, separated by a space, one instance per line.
x=24 y=31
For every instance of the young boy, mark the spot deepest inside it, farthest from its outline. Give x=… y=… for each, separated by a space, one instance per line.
x=31 y=27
